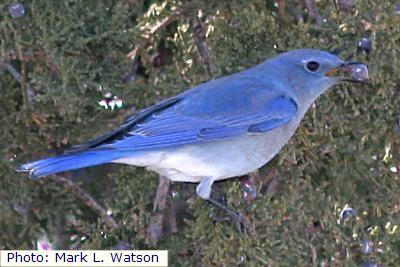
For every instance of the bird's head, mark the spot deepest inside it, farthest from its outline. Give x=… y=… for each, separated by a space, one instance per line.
x=310 y=72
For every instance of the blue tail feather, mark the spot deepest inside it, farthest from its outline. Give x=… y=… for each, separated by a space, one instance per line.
x=68 y=162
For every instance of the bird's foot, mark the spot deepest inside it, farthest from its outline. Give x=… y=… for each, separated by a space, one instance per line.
x=239 y=220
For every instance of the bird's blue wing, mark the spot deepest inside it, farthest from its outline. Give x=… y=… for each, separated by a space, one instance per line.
x=119 y=133
x=207 y=114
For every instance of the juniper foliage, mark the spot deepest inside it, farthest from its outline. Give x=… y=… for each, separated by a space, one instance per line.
x=346 y=152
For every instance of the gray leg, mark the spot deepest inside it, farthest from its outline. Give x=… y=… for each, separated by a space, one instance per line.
x=203 y=190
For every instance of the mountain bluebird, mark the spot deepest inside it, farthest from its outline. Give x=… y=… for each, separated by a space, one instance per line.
x=217 y=130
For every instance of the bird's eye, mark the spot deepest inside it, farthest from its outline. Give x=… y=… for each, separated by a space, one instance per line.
x=312 y=66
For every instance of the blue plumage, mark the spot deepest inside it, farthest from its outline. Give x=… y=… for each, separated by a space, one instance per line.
x=69 y=162
x=196 y=116
x=220 y=129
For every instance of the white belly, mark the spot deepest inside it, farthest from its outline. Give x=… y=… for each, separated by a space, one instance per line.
x=220 y=159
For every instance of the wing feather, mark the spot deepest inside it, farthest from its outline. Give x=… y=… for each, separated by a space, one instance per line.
x=213 y=111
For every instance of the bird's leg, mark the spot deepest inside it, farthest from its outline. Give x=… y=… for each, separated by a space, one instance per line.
x=203 y=190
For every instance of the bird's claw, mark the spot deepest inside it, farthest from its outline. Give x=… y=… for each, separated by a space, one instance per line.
x=240 y=221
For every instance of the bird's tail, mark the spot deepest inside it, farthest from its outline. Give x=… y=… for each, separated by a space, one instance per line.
x=68 y=162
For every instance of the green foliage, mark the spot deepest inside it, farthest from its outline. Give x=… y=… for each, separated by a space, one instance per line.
x=346 y=151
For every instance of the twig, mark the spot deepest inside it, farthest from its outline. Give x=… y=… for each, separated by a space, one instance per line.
x=153 y=30
x=160 y=202
x=314 y=255
x=19 y=78
x=133 y=53
x=254 y=176
x=17 y=54
x=282 y=8
x=271 y=183
x=313 y=10
x=148 y=36
x=131 y=74
x=199 y=35
x=88 y=200
x=35 y=56
x=154 y=231
x=162 y=24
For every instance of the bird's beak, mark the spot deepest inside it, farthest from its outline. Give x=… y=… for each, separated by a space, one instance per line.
x=358 y=72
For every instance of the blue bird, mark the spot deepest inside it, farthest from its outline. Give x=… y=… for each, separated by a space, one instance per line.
x=224 y=128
